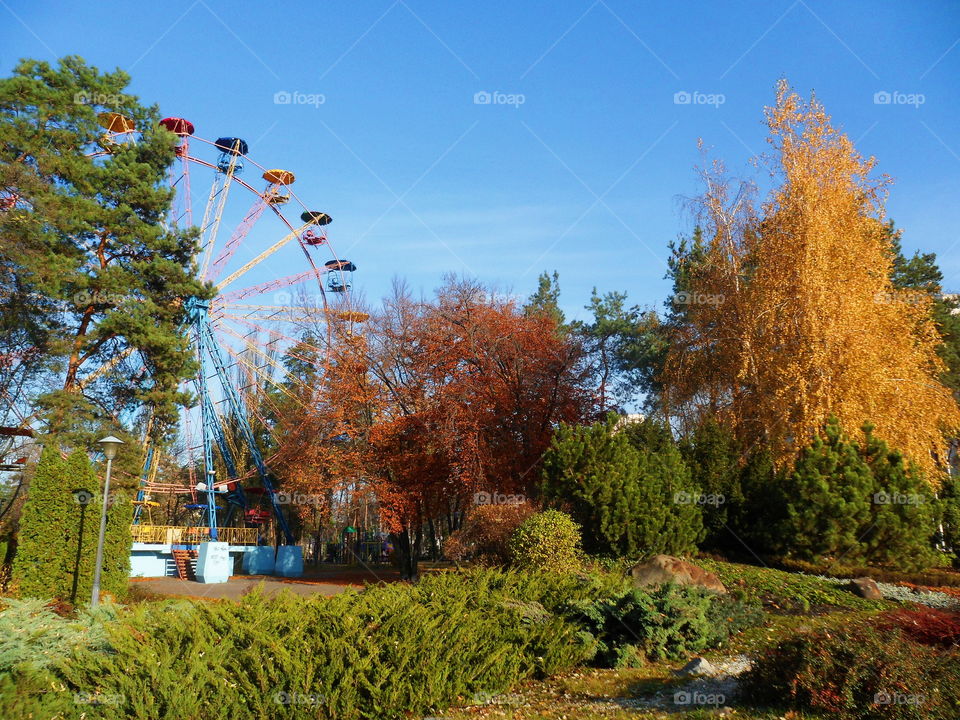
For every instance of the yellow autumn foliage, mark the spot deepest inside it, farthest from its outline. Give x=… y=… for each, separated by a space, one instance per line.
x=792 y=315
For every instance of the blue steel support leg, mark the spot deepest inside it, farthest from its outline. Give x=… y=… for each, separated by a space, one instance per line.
x=240 y=413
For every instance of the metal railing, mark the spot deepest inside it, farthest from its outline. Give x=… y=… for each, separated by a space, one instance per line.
x=179 y=535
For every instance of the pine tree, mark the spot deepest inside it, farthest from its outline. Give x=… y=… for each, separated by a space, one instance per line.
x=84 y=253
x=950 y=517
x=38 y=567
x=546 y=299
x=858 y=502
x=904 y=508
x=629 y=488
x=828 y=498
x=672 y=514
x=713 y=456
x=755 y=524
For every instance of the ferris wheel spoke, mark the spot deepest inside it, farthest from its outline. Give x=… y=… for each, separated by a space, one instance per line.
x=256 y=326
x=242 y=230
x=272 y=361
x=263 y=256
x=267 y=377
x=263 y=287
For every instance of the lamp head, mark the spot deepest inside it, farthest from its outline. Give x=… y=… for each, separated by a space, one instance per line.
x=110 y=445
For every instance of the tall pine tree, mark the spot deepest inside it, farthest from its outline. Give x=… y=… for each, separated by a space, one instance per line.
x=85 y=257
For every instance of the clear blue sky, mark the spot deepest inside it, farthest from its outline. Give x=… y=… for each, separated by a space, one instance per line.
x=587 y=175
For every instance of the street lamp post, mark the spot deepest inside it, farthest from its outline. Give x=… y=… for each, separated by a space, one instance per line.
x=110 y=444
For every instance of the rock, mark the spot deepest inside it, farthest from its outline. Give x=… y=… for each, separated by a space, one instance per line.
x=661 y=569
x=866 y=588
x=698 y=666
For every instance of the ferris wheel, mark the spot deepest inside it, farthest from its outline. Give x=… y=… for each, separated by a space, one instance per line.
x=251 y=226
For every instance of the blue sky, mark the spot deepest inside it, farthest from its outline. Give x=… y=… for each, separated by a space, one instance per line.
x=587 y=175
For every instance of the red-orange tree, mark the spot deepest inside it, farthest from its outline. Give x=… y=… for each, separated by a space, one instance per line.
x=440 y=399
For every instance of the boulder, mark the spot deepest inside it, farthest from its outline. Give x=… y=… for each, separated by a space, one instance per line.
x=662 y=569
x=698 y=666
x=866 y=588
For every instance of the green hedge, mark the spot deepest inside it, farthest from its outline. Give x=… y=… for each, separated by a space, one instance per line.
x=388 y=652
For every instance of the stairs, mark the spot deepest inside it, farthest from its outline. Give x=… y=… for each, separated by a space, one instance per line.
x=186 y=562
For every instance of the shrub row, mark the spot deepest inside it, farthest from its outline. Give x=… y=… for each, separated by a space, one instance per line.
x=383 y=653
x=388 y=652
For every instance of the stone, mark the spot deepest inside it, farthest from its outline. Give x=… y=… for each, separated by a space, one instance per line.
x=662 y=569
x=866 y=588
x=698 y=667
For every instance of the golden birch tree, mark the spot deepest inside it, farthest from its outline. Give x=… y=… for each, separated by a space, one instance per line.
x=791 y=315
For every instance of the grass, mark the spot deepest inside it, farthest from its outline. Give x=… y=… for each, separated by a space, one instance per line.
x=792 y=602
x=787 y=592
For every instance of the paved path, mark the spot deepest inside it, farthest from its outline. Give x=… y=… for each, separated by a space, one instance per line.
x=327 y=582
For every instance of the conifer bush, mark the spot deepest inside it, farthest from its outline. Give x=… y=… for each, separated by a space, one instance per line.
x=669 y=622
x=858 y=673
x=59 y=530
x=628 y=487
x=547 y=541
x=388 y=652
x=861 y=502
x=38 y=567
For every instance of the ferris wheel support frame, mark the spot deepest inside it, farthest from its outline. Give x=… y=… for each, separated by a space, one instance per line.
x=211 y=358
